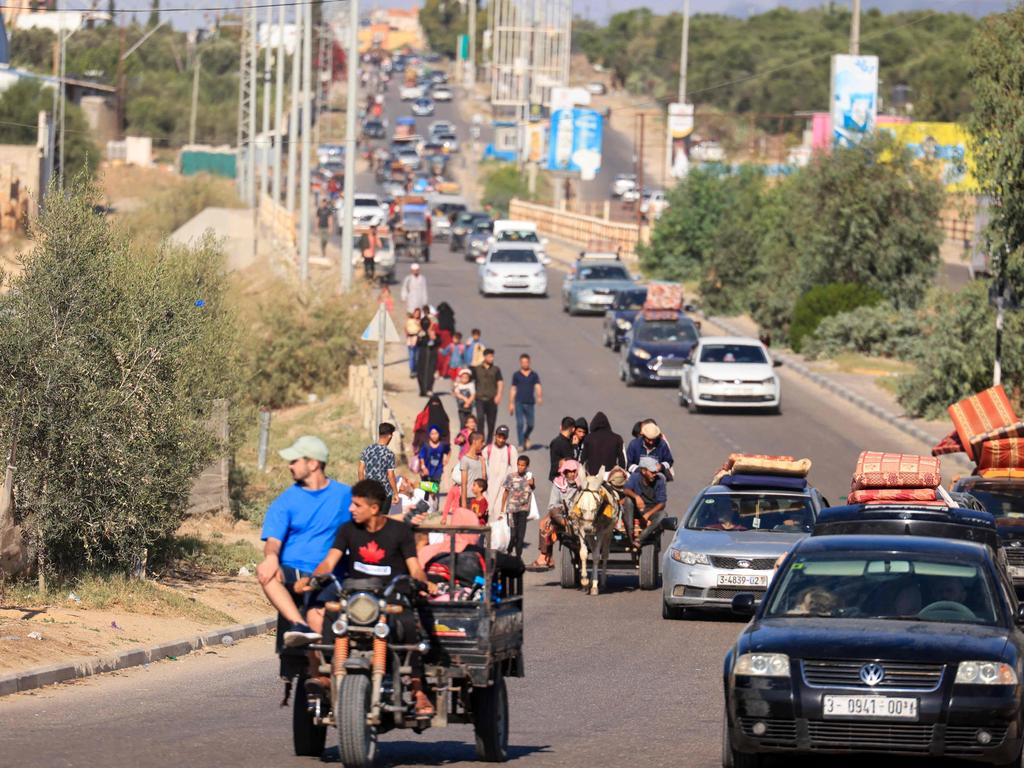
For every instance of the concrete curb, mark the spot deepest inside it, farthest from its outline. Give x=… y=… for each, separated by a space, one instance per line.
x=132 y=657
x=864 y=404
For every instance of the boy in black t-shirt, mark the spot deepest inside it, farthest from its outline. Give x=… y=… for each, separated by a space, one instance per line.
x=375 y=545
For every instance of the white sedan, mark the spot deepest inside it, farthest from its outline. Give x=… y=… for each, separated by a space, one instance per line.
x=510 y=269
x=730 y=372
x=410 y=92
x=367 y=211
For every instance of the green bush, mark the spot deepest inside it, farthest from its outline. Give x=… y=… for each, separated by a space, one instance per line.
x=957 y=350
x=303 y=343
x=502 y=182
x=879 y=330
x=824 y=301
x=167 y=210
x=111 y=357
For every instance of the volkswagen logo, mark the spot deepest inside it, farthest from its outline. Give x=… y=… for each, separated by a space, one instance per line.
x=872 y=673
x=743 y=563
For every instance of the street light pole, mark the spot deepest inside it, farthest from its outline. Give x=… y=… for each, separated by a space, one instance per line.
x=278 y=102
x=264 y=158
x=196 y=66
x=293 y=114
x=307 y=126
x=352 y=71
x=684 y=51
x=855 y=29
x=471 y=58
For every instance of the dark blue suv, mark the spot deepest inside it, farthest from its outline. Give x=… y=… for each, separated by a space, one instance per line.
x=618 y=319
x=653 y=351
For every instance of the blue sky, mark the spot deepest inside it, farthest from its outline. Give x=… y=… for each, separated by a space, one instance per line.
x=598 y=9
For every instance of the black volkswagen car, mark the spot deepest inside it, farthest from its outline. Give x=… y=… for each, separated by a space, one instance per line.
x=1004 y=500
x=901 y=645
x=618 y=319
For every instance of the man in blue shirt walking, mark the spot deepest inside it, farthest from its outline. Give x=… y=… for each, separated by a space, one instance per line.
x=526 y=394
x=298 y=530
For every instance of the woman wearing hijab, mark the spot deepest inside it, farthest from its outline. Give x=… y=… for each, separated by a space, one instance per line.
x=426 y=361
x=602 y=447
x=437 y=416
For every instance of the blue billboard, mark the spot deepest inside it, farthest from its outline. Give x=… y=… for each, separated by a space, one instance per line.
x=575 y=141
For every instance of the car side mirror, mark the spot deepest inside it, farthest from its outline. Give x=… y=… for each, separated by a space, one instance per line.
x=545 y=260
x=670 y=523
x=776 y=363
x=481 y=260
x=1019 y=617
x=743 y=604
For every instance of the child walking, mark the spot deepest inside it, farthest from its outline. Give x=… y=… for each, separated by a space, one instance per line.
x=515 y=503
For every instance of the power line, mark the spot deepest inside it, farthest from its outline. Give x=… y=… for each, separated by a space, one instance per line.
x=195 y=9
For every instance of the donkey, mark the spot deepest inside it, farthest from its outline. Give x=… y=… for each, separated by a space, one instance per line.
x=592 y=519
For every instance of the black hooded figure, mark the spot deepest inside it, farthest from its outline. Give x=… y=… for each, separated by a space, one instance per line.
x=445 y=317
x=602 y=447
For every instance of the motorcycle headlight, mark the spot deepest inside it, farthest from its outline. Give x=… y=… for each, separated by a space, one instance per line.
x=985 y=673
x=689 y=558
x=763 y=665
x=643 y=354
x=623 y=324
x=706 y=380
x=362 y=608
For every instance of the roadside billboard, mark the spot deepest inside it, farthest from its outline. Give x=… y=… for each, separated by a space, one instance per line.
x=854 y=98
x=680 y=126
x=944 y=147
x=575 y=141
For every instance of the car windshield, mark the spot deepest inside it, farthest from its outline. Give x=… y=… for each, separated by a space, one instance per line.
x=666 y=331
x=514 y=257
x=518 y=236
x=603 y=272
x=885 y=585
x=365 y=201
x=630 y=299
x=1002 y=503
x=752 y=511
x=732 y=353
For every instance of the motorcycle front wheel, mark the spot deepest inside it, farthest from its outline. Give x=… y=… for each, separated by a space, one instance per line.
x=357 y=740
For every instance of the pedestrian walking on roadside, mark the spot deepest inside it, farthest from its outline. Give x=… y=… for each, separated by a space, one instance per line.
x=500 y=458
x=324 y=220
x=489 y=387
x=524 y=396
x=368 y=244
x=516 y=498
x=377 y=462
x=414 y=289
x=474 y=349
x=456 y=357
x=426 y=362
x=413 y=330
x=561 y=447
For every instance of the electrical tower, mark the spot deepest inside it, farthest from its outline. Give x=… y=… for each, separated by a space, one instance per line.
x=530 y=47
x=324 y=73
x=247 y=107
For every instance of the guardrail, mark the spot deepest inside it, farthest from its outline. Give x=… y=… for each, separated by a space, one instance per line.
x=579 y=228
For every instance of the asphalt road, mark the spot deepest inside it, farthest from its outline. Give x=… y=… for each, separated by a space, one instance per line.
x=609 y=683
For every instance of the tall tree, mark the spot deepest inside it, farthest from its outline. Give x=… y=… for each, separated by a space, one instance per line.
x=154 y=13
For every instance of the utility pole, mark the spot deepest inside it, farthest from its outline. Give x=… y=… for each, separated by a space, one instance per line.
x=307 y=127
x=197 y=64
x=278 y=102
x=351 y=98
x=63 y=98
x=265 y=155
x=471 y=59
x=684 y=51
x=293 y=115
x=855 y=29
x=640 y=175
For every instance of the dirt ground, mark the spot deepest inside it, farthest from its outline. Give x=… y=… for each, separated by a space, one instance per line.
x=169 y=608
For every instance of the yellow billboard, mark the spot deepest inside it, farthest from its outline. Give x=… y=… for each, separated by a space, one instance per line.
x=944 y=147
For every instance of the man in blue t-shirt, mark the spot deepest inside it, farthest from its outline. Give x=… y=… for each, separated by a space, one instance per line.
x=298 y=530
x=526 y=394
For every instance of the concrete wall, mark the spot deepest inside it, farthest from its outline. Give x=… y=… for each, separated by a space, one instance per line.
x=19 y=179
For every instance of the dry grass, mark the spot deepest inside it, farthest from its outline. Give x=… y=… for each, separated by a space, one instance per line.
x=106 y=592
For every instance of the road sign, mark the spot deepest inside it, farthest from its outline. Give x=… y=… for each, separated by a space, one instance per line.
x=680 y=120
x=372 y=332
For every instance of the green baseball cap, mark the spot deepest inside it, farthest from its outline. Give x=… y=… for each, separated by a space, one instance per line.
x=306 y=447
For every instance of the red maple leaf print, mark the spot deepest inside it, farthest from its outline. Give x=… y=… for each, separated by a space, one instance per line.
x=371 y=553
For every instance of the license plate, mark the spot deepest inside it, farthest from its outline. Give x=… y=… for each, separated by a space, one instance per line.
x=742 y=580
x=873 y=707
x=1017 y=571
x=671 y=372
x=740 y=391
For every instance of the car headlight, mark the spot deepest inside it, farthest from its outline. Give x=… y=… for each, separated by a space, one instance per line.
x=689 y=558
x=623 y=324
x=362 y=608
x=985 y=673
x=763 y=665
x=585 y=295
x=491 y=273
x=706 y=380
x=770 y=381
x=643 y=354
